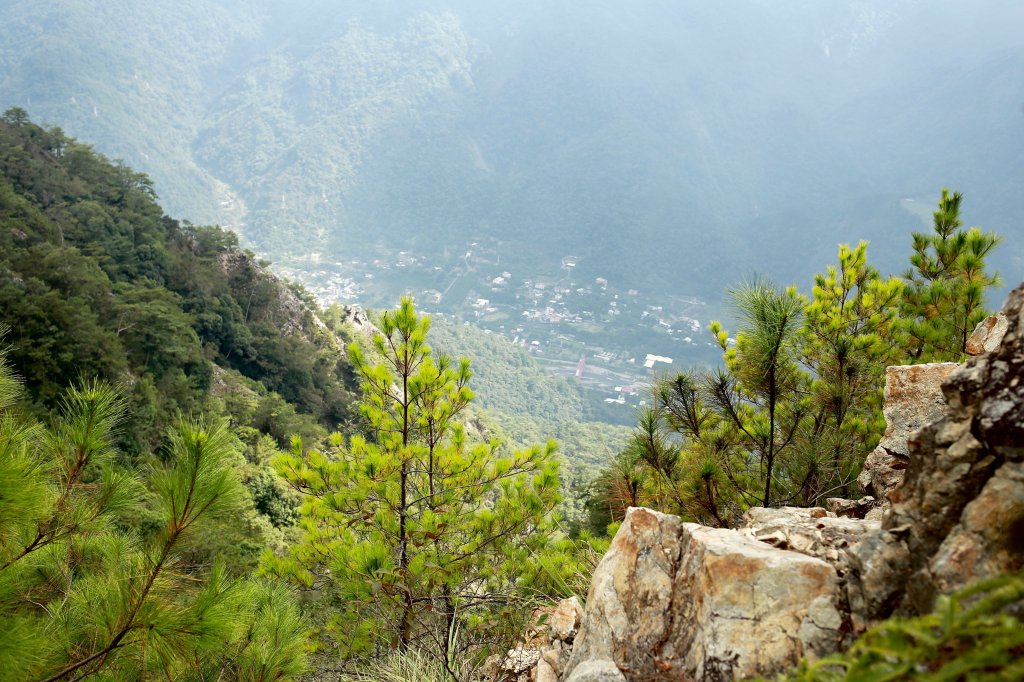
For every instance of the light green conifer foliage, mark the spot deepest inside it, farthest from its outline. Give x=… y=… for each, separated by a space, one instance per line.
x=713 y=444
x=791 y=415
x=676 y=459
x=761 y=394
x=848 y=339
x=946 y=283
x=412 y=532
x=83 y=595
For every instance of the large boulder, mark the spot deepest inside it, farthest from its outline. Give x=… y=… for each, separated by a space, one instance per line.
x=680 y=601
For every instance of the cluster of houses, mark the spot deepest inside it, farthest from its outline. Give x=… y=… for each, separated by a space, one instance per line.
x=577 y=326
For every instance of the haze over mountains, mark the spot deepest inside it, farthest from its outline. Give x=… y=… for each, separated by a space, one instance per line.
x=672 y=147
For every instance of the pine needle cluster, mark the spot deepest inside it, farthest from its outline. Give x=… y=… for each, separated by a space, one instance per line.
x=946 y=284
x=87 y=593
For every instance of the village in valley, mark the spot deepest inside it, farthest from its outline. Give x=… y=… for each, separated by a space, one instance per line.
x=583 y=325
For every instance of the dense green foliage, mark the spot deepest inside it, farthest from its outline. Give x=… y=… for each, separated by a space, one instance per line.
x=523 y=404
x=947 y=281
x=976 y=634
x=105 y=573
x=508 y=379
x=95 y=281
x=790 y=416
x=418 y=538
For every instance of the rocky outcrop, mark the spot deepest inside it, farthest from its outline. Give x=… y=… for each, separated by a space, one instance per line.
x=959 y=515
x=913 y=398
x=865 y=507
x=679 y=601
x=357 y=318
x=544 y=653
x=813 y=532
x=988 y=335
x=267 y=297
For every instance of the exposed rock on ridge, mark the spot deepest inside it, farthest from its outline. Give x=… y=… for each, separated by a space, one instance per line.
x=679 y=601
x=959 y=515
x=913 y=398
x=289 y=313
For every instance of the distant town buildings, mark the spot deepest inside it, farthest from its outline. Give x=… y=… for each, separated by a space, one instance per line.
x=590 y=331
x=651 y=360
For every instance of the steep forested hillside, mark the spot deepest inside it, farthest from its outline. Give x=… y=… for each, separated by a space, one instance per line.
x=670 y=146
x=97 y=283
x=157 y=387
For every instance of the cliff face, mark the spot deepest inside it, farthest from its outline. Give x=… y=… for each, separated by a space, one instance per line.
x=679 y=601
x=959 y=514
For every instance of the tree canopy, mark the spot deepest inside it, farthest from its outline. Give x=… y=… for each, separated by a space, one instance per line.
x=424 y=537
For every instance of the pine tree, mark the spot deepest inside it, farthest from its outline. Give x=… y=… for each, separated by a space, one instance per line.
x=681 y=443
x=944 y=298
x=848 y=339
x=416 y=533
x=82 y=594
x=760 y=394
x=715 y=443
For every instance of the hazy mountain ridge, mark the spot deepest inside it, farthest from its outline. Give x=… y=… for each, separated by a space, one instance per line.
x=675 y=146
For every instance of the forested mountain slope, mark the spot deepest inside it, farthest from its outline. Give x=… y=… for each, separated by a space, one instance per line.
x=669 y=146
x=97 y=282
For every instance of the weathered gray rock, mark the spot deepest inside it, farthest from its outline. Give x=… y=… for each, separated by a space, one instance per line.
x=808 y=531
x=913 y=398
x=680 y=601
x=990 y=536
x=629 y=603
x=596 y=671
x=545 y=672
x=959 y=514
x=556 y=656
x=854 y=509
x=520 y=659
x=565 y=620
x=359 y=320
x=882 y=473
x=988 y=334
